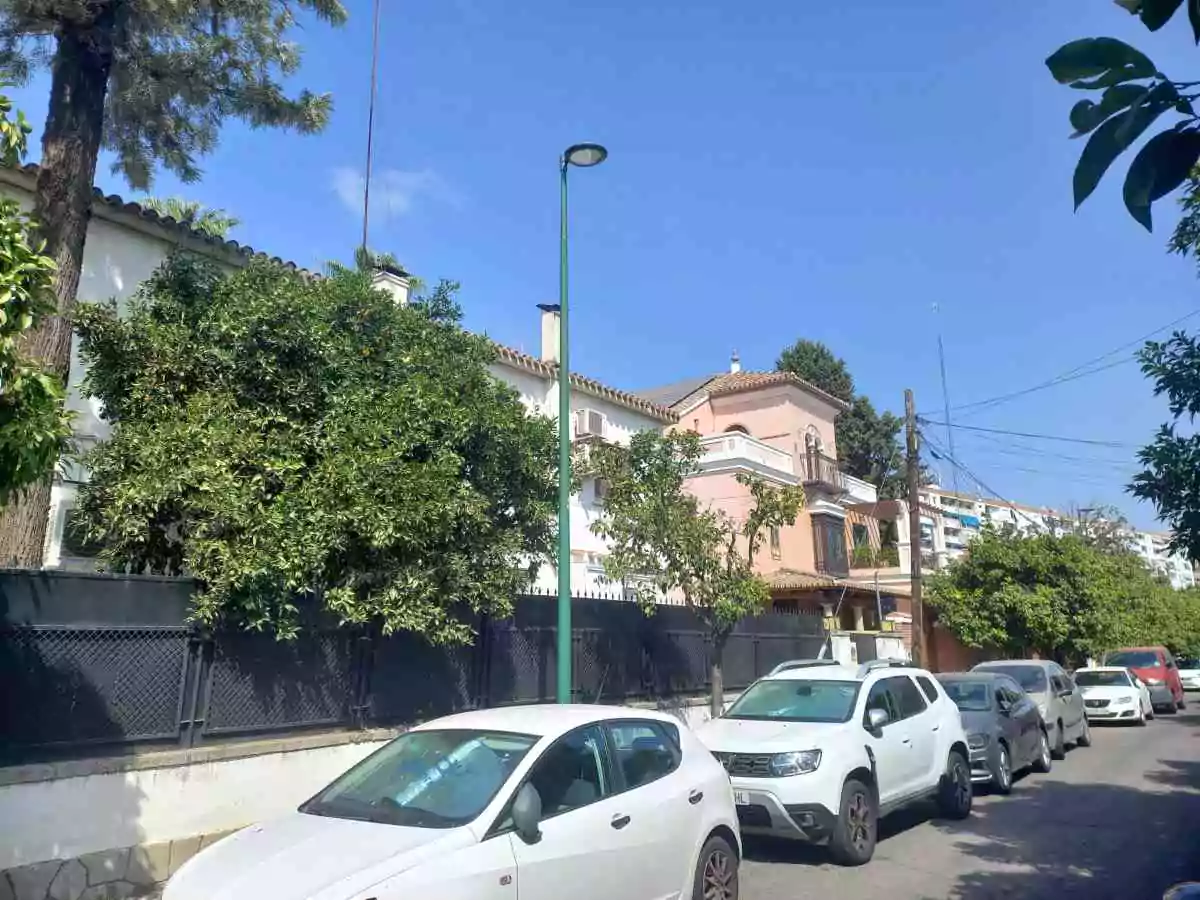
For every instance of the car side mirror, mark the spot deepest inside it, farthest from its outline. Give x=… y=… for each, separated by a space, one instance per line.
x=1005 y=709
x=527 y=813
x=876 y=718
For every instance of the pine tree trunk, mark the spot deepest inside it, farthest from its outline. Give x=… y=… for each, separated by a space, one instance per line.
x=62 y=207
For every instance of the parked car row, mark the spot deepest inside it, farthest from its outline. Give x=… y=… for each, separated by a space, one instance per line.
x=513 y=803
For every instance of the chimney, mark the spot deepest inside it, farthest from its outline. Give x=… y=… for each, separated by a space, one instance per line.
x=394 y=281
x=735 y=363
x=551 y=326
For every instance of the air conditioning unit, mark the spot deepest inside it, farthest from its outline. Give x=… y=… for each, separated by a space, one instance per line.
x=590 y=423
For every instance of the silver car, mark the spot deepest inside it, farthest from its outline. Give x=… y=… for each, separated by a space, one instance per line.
x=1005 y=731
x=1058 y=699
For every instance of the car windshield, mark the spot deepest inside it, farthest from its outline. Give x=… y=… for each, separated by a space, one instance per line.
x=796 y=700
x=969 y=696
x=1188 y=662
x=1084 y=678
x=1031 y=678
x=1134 y=659
x=425 y=779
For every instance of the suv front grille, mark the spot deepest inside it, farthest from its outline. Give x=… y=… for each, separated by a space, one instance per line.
x=747 y=765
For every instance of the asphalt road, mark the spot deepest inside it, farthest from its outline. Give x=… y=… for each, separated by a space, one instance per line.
x=1119 y=819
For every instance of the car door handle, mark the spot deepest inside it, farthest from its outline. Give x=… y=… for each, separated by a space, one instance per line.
x=619 y=821
x=695 y=797
x=937 y=727
x=906 y=740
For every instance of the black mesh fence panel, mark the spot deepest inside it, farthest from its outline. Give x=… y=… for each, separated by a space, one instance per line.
x=411 y=679
x=258 y=683
x=86 y=686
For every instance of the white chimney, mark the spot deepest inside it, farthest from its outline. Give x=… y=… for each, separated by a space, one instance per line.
x=735 y=363
x=394 y=281
x=551 y=330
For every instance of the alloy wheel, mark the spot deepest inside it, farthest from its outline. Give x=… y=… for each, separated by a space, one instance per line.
x=1045 y=751
x=1004 y=773
x=858 y=816
x=720 y=877
x=962 y=785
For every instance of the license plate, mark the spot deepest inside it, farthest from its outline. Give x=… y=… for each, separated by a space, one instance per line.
x=741 y=798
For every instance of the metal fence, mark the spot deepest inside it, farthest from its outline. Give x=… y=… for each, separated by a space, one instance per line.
x=92 y=662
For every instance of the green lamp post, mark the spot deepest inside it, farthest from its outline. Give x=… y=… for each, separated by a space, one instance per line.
x=584 y=156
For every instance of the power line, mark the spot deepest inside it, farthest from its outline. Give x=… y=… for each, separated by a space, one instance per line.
x=1015 y=448
x=1029 y=434
x=370 y=128
x=991 y=491
x=1078 y=371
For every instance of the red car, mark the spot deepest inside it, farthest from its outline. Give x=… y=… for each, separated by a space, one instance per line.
x=1155 y=666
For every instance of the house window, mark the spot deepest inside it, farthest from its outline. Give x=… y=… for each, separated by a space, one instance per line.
x=737 y=429
x=600 y=489
x=859 y=535
x=829 y=540
x=775 y=551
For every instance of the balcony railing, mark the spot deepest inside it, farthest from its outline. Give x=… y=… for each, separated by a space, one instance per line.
x=822 y=471
x=734 y=447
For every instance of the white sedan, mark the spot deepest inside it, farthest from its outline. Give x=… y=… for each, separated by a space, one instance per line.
x=1113 y=693
x=1189 y=672
x=520 y=803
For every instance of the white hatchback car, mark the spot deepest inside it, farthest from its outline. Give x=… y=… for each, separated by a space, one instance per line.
x=818 y=751
x=522 y=803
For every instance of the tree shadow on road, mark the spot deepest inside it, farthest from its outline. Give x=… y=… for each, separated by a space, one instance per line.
x=1055 y=839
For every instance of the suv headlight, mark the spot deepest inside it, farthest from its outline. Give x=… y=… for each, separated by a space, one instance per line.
x=799 y=762
x=978 y=741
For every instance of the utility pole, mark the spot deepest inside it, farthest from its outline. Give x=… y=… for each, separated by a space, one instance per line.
x=914 y=526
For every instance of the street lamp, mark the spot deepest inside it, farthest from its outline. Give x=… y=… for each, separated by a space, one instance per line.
x=585 y=156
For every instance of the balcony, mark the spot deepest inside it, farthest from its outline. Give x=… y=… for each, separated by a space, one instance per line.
x=733 y=449
x=821 y=472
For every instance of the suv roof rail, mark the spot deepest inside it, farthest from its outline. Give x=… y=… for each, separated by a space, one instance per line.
x=802 y=664
x=873 y=664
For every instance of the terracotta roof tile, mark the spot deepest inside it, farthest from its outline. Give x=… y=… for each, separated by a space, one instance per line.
x=587 y=385
x=25 y=176
x=793 y=579
x=733 y=382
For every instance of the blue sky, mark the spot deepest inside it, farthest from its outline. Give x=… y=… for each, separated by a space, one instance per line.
x=778 y=170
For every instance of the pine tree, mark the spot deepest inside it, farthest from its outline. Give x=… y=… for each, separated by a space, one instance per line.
x=152 y=81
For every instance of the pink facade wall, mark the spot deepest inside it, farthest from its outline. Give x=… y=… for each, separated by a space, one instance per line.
x=779 y=416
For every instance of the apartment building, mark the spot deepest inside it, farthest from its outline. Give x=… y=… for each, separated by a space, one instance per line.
x=950 y=520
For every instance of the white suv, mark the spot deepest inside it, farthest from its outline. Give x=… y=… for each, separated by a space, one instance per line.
x=818 y=751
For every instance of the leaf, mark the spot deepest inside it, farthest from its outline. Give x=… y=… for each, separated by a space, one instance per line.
x=1156 y=13
x=1133 y=7
x=1098 y=58
x=1106 y=144
x=1086 y=115
x=1194 y=17
x=1159 y=167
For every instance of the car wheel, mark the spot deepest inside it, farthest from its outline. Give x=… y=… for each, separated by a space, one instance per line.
x=1085 y=736
x=954 y=793
x=1141 y=719
x=1002 y=777
x=1060 y=742
x=853 y=840
x=1044 y=760
x=716 y=871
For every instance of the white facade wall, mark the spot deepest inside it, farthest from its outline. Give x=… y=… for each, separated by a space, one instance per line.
x=121 y=252
x=539 y=393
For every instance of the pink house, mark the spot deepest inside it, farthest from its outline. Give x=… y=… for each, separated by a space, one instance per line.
x=780 y=428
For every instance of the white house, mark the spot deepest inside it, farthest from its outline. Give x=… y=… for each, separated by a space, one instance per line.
x=598 y=412
x=125 y=244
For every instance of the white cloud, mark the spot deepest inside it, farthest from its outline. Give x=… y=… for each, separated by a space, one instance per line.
x=394 y=192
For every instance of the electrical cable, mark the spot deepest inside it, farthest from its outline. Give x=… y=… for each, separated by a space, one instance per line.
x=1029 y=434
